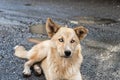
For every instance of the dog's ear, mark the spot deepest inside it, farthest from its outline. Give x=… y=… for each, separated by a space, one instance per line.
x=81 y=32
x=51 y=27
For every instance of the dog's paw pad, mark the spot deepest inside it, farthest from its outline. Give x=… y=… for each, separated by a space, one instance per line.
x=26 y=73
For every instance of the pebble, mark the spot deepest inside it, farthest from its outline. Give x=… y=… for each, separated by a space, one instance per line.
x=118 y=6
x=1 y=57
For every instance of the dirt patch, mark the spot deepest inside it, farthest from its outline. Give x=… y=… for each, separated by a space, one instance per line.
x=38 y=29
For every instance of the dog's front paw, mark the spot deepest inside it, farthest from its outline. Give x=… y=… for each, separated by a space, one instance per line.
x=26 y=72
x=37 y=70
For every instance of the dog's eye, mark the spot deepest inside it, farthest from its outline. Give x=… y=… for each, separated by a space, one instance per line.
x=72 y=41
x=61 y=40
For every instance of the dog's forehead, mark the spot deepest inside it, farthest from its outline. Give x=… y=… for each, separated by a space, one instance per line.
x=66 y=31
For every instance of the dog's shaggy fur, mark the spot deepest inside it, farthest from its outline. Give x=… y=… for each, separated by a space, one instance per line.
x=60 y=56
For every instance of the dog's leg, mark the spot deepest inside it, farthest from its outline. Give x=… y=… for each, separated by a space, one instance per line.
x=34 y=58
x=28 y=64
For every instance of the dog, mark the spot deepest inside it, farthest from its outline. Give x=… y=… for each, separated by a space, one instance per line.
x=60 y=57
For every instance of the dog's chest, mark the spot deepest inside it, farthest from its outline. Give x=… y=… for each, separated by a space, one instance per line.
x=62 y=68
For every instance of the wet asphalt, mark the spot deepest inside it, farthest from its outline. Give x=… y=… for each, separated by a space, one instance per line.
x=101 y=48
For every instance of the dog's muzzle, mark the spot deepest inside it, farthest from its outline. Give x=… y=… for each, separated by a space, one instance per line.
x=67 y=54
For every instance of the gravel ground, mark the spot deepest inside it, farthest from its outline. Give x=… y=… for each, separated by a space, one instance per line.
x=101 y=48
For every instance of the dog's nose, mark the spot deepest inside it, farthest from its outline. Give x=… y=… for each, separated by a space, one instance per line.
x=67 y=53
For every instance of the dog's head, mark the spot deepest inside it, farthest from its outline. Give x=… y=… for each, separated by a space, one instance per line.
x=65 y=39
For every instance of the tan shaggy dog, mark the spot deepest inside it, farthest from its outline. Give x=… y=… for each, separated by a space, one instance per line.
x=60 y=56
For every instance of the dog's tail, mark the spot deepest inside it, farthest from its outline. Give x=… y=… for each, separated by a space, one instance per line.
x=20 y=52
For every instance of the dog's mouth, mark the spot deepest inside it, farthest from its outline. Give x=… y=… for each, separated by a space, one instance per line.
x=66 y=56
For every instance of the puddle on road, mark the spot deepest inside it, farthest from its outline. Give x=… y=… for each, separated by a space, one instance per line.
x=92 y=20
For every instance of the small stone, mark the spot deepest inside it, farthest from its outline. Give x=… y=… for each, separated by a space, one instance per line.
x=1 y=57
x=118 y=6
x=27 y=4
x=1 y=11
x=119 y=19
x=74 y=22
